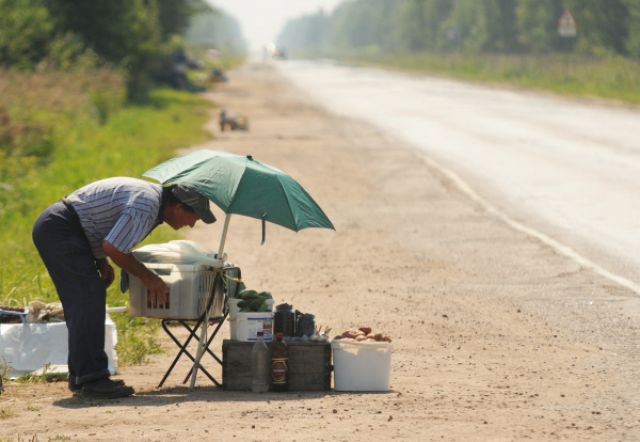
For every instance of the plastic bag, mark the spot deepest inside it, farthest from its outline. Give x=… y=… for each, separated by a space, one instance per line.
x=175 y=252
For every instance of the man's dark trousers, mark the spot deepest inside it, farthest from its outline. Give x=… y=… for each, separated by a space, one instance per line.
x=65 y=251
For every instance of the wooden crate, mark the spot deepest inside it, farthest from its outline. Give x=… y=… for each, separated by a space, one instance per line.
x=309 y=365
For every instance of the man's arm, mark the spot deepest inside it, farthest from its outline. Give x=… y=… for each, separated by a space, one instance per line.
x=126 y=261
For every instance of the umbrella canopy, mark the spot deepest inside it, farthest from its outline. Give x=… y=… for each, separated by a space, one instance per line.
x=241 y=185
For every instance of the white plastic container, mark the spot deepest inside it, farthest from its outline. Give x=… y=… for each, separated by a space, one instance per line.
x=361 y=366
x=245 y=326
x=189 y=289
x=39 y=347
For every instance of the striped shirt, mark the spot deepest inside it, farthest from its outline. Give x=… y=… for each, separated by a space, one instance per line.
x=120 y=210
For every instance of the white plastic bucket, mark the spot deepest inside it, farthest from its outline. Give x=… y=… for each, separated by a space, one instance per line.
x=361 y=366
x=232 y=303
x=245 y=326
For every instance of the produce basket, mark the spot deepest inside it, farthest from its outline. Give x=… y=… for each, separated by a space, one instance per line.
x=189 y=289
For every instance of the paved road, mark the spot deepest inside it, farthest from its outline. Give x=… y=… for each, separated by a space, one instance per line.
x=565 y=168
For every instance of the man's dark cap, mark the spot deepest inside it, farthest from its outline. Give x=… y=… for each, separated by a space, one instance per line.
x=197 y=202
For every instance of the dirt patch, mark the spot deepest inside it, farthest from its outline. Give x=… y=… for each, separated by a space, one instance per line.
x=496 y=336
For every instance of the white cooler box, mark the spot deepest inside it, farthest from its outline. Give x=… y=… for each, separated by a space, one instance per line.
x=189 y=289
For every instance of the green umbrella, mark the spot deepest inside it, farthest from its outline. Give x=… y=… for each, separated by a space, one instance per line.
x=239 y=184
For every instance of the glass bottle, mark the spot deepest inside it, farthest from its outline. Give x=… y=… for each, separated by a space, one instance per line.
x=260 y=366
x=306 y=324
x=279 y=364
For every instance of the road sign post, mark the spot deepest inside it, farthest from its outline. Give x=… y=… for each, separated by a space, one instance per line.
x=567 y=30
x=567 y=27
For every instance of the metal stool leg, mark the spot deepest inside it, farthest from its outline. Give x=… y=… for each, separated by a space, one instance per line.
x=183 y=349
x=208 y=350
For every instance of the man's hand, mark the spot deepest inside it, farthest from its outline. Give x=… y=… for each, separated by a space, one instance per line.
x=158 y=290
x=106 y=271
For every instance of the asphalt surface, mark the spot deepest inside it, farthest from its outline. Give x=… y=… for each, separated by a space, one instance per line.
x=566 y=170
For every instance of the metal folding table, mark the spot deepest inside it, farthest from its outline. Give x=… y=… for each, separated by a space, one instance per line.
x=227 y=281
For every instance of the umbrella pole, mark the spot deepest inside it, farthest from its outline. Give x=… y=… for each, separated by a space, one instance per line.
x=202 y=343
x=223 y=238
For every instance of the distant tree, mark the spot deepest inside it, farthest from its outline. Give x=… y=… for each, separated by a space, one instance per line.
x=361 y=24
x=410 y=26
x=216 y=29
x=118 y=30
x=381 y=22
x=314 y=33
x=305 y=33
x=602 y=25
x=483 y=25
x=341 y=26
x=467 y=25
x=537 y=24
x=633 y=39
x=26 y=29
x=502 y=26
x=135 y=35
x=175 y=15
x=436 y=13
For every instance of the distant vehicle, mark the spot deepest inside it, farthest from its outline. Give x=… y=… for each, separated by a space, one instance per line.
x=280 y=53
x=275 y=52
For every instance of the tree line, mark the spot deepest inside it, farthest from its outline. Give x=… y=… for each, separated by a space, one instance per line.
x=137 y=36
x=489 y=26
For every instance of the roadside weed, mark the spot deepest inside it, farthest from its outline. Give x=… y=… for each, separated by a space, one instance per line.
x=90 y=134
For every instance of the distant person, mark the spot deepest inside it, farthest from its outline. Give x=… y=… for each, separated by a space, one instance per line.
x=180 y=63
x=218 y=76
x=77 y=235
x=233 y=121
x=222 y=120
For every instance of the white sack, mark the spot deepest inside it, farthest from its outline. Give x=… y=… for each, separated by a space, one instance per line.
x=175 y=252
x=29 y=347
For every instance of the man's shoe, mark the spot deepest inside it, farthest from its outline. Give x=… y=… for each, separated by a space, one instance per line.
x=77 y=389
x=106 y=389
x=73 y=387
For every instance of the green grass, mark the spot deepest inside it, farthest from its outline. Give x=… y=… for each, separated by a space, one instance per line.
x=44 y=377
x=91 y=134
x=606 y=77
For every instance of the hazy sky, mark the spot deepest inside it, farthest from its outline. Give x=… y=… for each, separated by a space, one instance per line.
x=262 y=20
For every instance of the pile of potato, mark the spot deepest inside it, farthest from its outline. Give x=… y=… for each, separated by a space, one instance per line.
x=42 y=312
x=363 y=334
